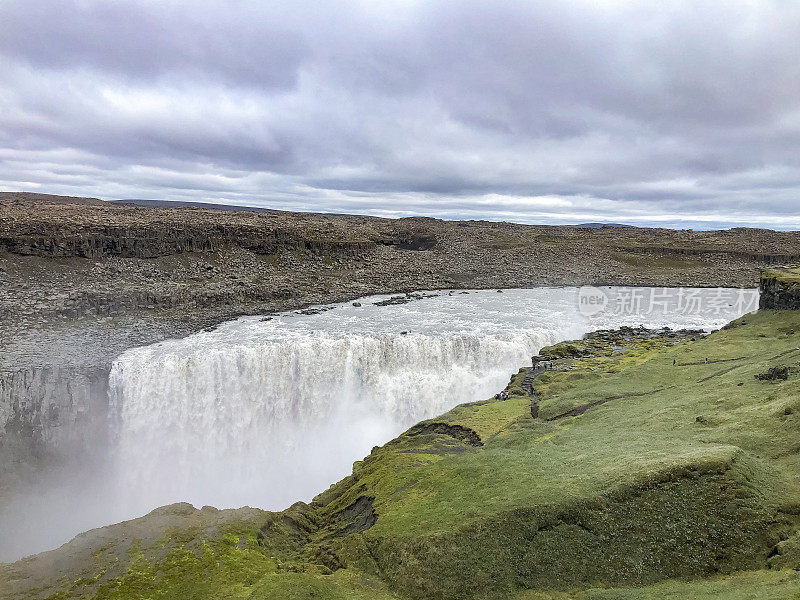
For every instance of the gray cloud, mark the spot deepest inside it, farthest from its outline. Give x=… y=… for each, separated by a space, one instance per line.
x=647 y=112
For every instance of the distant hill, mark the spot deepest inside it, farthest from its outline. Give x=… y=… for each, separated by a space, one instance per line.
x=233 y=207
x=598 y=225
x=181 y=203
x=51 y=198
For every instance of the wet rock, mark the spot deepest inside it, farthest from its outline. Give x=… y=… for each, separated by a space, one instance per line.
x=463 y=434
x=47 y=411
x=314 y=311
x=359 y=516
x=393 y=300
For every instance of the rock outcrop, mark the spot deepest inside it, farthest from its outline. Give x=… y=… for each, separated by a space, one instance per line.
x=780 y=289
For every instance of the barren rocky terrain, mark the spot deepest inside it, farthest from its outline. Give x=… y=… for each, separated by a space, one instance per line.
x=67 y=259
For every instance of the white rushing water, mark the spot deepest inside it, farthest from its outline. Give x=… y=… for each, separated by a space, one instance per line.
x=266 y=412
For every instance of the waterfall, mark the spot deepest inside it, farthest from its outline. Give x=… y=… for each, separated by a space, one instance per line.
x=276 y=421
x=265 y=412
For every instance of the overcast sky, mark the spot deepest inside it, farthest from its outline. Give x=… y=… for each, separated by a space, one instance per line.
x=662 y=112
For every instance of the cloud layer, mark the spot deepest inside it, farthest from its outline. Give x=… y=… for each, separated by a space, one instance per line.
x=676 y=113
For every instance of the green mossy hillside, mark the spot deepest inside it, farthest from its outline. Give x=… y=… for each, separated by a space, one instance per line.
x=656 y=470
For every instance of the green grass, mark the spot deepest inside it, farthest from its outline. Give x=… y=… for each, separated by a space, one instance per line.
x=214 y=567
x=758 y=585
x=605 y=360
x=650 y=452
x=341 y=585
x=748 y=585
x=490 y=417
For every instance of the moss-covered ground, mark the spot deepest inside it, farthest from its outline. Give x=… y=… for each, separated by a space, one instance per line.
x=788 y=275
x=653 y=470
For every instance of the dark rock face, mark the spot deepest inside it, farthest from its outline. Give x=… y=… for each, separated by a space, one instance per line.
x=410 y=240
x=777 y=258
x=359 y=516
x=779 y=294
x=145 y=241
